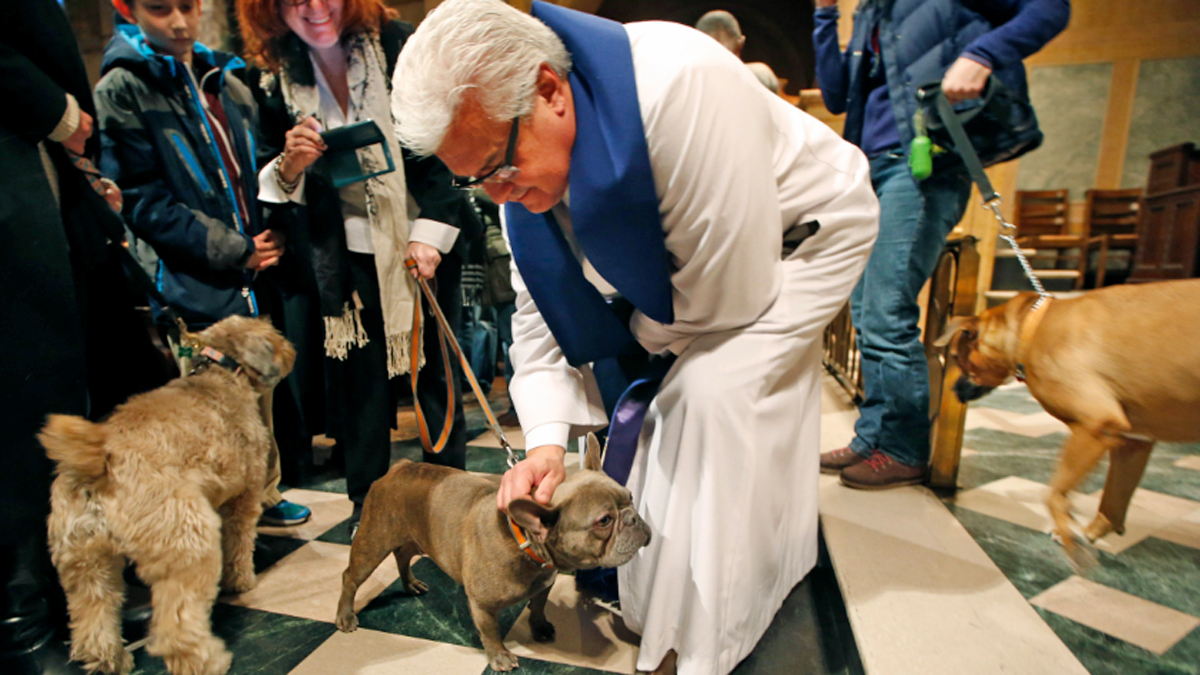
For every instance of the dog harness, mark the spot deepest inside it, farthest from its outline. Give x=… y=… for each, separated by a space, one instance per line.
x=525 y=545
x=1028 y=328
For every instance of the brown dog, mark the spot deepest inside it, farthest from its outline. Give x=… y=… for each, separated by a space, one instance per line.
x=173 y=481
x=1120 y=366
x=450 y=516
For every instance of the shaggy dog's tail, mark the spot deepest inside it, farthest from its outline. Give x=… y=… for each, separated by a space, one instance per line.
x=77 y=446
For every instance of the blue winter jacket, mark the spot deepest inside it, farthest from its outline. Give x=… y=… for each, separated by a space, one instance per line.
x=919 y=40
x=157 y=144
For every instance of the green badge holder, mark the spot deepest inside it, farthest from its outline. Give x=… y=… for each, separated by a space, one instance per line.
x=341 y=158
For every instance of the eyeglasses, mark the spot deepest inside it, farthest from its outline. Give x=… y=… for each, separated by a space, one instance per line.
x=505 y=172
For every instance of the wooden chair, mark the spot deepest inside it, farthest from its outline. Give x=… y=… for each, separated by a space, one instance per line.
x=1041 y=220
x=1110 y=223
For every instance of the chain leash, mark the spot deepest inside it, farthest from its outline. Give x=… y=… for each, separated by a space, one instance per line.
x=1008 y=232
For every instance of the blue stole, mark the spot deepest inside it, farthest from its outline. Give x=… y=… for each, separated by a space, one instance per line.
x=614 y=208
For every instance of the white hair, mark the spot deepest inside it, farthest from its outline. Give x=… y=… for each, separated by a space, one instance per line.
x=480 y=46
x=765 y=75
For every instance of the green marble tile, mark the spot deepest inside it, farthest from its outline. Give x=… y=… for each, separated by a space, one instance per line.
x=269 y=550
x=1103 y=654
x=1000 y=454
x=1016 y=400
x=262 y=643
x=1163 y=476
x=442 y=614
x=1031 y=560
x=490 y=460
x=325 y=482
x=338 y=534
x=1155 y=570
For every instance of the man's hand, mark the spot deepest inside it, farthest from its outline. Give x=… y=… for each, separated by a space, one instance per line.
x=77 y=141
x=302 y=147
x=268 y=247
x=964 y=80
x=542 y=469
x=427 y=258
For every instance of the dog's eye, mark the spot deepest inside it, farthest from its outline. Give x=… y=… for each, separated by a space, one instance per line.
x=605 y=521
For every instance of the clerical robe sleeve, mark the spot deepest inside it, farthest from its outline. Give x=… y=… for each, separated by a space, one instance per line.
x=545 y=388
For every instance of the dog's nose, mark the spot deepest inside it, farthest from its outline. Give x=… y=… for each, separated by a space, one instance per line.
x=630 y=518
x=968 y=391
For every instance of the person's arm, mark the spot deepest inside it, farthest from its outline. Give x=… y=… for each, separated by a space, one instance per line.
x=1033 y=24
x=129 y=157
x=437 y=226
x=831 y=70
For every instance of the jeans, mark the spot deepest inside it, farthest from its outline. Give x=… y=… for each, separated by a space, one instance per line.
x=914 y=220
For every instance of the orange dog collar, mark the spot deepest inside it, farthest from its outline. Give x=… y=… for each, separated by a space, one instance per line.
x=524 y=544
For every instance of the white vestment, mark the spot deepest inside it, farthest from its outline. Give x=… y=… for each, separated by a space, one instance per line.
x=727 y=464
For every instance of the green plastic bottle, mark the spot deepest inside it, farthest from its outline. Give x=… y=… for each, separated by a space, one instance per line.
x=920 y=153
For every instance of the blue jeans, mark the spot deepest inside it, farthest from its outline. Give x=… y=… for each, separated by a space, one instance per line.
x=914 y=220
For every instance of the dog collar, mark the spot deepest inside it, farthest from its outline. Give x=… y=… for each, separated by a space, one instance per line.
x=221 y=359
x=1028 y=328
x=525 y=545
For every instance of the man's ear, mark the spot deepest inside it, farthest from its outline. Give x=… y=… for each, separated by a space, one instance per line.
x=593 y=457
x=534 y=518
x=958 y=323
x=123 y=8
x=551 y=88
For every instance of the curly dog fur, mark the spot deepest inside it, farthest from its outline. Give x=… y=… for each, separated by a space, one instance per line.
x=173 y=481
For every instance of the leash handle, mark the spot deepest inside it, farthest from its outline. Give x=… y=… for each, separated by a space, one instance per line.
x=446 y=336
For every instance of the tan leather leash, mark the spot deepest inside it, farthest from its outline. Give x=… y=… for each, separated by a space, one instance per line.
x=446 y=337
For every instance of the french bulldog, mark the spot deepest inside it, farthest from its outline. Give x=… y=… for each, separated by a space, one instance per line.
x=1119 y=365
x=500 y=559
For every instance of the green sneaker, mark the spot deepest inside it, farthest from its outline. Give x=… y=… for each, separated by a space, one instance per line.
x=285 y=514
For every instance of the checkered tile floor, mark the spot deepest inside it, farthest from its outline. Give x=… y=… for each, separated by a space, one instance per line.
x=1138 y=610
x=285 y=624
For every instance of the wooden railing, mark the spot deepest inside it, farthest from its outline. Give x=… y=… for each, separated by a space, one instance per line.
x=952 y=292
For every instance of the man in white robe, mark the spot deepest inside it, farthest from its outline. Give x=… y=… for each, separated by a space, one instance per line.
x=726 y=466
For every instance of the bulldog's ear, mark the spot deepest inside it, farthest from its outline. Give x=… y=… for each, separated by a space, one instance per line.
x=958 y=323
x=593 y=457
x=535 y=519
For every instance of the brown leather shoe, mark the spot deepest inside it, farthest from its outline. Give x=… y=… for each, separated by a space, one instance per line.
x=509 y=419
x=880 y=472
x=836 y=460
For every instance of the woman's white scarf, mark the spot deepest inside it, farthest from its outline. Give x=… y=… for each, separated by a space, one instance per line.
x=388 y=205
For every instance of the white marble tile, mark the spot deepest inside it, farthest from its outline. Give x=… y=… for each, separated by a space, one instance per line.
x=1146 y=624
x=1185 y=531
x=1189 y=462
x=488 y=440
x=1033 y=424
x=585 y=635
x=369 y=652
x=308 y=582
x=923 y=597
x=328 y=509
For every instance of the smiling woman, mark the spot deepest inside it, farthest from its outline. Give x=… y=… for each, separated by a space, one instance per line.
x=326 y=64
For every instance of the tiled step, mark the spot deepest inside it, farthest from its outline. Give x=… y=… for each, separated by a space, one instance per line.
x=921 y=596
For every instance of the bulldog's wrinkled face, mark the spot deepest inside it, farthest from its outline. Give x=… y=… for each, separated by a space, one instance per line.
x=597 y=524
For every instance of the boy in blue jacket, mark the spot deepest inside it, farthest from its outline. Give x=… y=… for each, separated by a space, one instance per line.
x=177 y=131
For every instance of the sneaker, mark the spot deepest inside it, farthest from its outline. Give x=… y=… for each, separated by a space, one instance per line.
x=836 y=460
x=880 y=472
x=285 y=514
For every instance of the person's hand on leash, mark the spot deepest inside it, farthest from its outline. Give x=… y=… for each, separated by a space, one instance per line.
x=427 y=258
x=542 y=469
x=302 y=147
x=964 y=80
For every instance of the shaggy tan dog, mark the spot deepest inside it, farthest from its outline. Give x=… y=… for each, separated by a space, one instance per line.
x=173 y=481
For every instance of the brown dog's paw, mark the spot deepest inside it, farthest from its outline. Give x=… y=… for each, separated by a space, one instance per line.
x=120 y=663
x=347 y=623
x=542 y=631
x=502 y=660
x=415 y=587
x=211 y=659
x=233 y=582
x=1098 y=528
